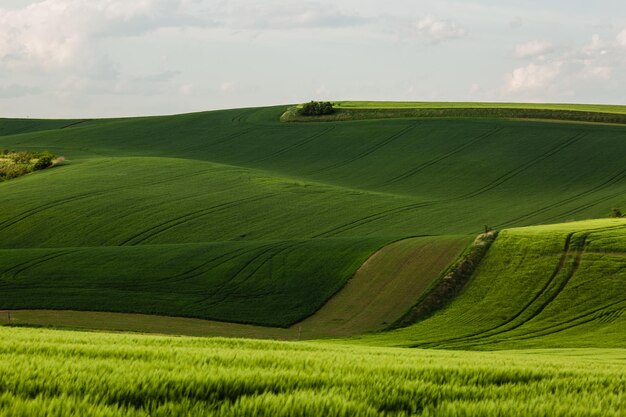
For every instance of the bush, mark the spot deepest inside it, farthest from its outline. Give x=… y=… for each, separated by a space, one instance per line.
x=15 y=164
x=317 y=108
x=44 y=160
x=615 y=212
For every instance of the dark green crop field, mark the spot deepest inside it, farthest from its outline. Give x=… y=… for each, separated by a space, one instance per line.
x=247 y=203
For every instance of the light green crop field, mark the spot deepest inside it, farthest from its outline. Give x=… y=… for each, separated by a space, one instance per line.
x=602 y=108
x=543 y=286
x=59 y=373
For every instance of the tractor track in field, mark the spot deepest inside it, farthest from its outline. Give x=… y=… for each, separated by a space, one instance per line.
x=493 y=184
x=438 y=159
x=583 y=207
x=295 y=145
x=587 y=317
x=516 y=171
x=74 y=124
x=616 y=178
x=222 y=259
x=218 y=141
x=36 y=210
x=369 y=151
x=228 y=290
x=17 y=269
x=544 y=291
x=283 y=247
x=206 y=301
x=177 y=221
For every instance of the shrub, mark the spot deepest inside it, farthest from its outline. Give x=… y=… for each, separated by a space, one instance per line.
x=15 y=164
x=44 y=160
x=317 y=108
x=615 y=212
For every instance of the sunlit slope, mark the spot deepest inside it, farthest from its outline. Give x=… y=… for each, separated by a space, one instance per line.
x=546 y=286
x=456 y=175
x=601 y=108
x=139 y=201
x=60 y=373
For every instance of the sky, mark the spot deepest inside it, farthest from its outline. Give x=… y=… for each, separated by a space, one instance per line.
x=106 y=58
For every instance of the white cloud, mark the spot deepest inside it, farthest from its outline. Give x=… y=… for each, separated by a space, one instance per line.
x=434 y=30
x=532 y=49
x=275 y=15
x=596 y=46
x=532 y=77
x=57 y=33
x=621 y=38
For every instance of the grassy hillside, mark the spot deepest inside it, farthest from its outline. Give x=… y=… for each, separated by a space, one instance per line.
x=57 y=373
x=240 y=177
x=544 y=286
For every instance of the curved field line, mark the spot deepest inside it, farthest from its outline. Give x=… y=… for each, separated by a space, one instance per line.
x=561 y=285
x=371 y=218
x=177 y=221
x=75 y=123
x=33 y=262
x=593 y=313
x=218 y=141
x=295 y=145
x=526 y=307
x=35 y=210
x=370 y=150
x=438 y=159
x=516 y=171
x=216 y=291
x=578 y=209
x=240 y=282
x=195 y=272
x=495 y=183
x=8 y=271
x=609 y=182
x=557 y=328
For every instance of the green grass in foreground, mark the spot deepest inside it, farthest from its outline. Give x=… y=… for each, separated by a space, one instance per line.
x=58 y=373
x=560 y=285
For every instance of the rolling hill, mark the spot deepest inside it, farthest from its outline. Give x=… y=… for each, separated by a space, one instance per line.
x=234 y=216
x=560 y=285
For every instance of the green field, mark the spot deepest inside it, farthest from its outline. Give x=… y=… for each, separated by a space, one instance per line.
x=371 y=110
x=215 y=215
x=601 y=108
x=59 y=373
x=543 y=286
x=233 y=223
